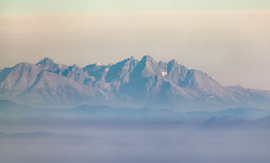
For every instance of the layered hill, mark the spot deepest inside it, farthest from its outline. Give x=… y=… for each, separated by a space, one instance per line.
x=128 y=83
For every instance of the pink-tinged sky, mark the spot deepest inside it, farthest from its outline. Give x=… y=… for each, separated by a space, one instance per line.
x=232 y=46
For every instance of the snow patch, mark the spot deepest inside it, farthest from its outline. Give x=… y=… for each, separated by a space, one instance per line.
x=98 y=64
x=163 y=73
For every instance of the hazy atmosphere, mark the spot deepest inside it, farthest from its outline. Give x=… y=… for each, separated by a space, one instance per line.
x=134 y=81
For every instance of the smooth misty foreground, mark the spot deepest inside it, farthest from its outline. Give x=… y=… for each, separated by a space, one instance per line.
x=66 y=144
x=105 y=134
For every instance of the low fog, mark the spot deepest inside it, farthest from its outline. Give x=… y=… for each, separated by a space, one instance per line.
x=102 y=134
x=66 y=143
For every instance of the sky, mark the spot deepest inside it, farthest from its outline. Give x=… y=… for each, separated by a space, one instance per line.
x=228 y=40
x=15 y=7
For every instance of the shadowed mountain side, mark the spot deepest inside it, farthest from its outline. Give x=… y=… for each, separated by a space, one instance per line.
x=233 y=122
x=224 y=122
x=248 y=114
x=262 y=123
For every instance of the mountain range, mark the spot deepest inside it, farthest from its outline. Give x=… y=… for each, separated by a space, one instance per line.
x=128 y=83
x=244 y=118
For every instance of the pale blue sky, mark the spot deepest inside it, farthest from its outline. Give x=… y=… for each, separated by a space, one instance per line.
x=29 y=7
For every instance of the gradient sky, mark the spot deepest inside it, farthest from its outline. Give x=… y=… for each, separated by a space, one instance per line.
x=70 y=6
x=228 y=40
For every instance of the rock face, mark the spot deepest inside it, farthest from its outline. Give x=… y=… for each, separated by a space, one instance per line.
x=129 y=83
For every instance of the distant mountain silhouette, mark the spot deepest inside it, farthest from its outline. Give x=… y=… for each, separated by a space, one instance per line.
x=87 y=114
